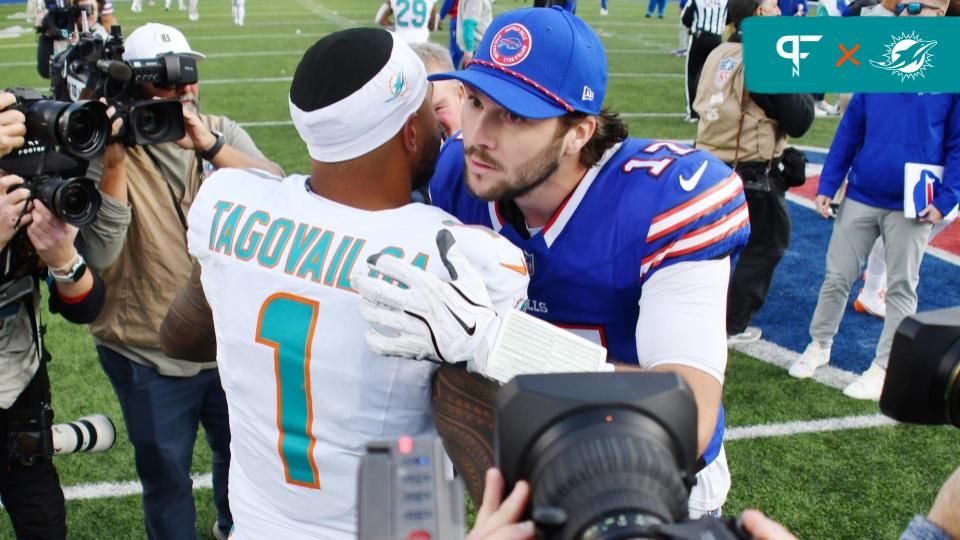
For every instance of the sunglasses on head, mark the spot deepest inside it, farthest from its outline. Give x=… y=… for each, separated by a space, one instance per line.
x=913 y=8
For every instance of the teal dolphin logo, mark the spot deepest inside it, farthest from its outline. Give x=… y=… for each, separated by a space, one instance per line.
x=908 y=56
x=397 y=86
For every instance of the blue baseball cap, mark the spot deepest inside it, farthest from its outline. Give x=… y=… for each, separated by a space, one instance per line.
x=538 y=63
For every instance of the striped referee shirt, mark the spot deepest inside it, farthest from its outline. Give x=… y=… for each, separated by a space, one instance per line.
x=708 y=15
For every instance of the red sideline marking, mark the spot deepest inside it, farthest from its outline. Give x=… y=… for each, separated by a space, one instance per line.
x=948 y=240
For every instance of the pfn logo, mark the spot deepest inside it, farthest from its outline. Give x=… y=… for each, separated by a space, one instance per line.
x=794 y=54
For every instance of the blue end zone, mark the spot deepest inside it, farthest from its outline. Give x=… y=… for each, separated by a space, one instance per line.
x=785 y=317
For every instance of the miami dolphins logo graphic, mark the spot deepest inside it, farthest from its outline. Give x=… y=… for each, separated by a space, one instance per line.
x=397 y=86
x=908 y=56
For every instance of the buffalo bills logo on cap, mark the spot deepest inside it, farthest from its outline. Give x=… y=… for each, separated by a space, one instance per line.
x=511 y=45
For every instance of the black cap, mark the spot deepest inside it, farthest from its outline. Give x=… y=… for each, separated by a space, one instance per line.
x=338 y=65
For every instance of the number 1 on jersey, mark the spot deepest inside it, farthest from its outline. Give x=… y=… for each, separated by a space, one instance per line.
x=286 y=324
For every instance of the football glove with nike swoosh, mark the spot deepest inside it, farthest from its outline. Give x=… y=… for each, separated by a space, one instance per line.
x=453 y=321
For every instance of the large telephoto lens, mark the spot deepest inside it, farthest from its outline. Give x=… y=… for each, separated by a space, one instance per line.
x=79 y=129
x=75 y=200
x=612 y=472
x=608 y=456
x=156 y=121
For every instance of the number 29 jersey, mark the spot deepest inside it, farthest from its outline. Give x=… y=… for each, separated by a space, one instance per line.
x=412 y=19
x=305 y=392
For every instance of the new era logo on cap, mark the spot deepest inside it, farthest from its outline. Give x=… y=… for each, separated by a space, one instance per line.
x=587 y=94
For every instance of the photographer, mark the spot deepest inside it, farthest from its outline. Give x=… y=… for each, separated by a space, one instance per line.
x=749 y=132
x=33 y=243
x=139 y=242
x=56 y=26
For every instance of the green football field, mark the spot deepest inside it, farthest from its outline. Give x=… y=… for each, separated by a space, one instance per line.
x=826 y=466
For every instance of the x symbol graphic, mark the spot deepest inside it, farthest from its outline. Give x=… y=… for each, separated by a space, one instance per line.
x=848 y=55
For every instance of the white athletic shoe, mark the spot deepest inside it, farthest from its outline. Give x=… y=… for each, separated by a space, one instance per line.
x=603 y=12
x=871 y=302
x=822 y=108
x=813 y=357
x=869 y=385
x=749 y=335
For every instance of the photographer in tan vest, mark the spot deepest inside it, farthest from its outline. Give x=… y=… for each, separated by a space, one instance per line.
x=749 y=132
x=139 y=242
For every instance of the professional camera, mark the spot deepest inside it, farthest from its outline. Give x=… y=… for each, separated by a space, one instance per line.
x=32 y=435
x=608 y=455
x=407 y=490
x=923 y=375
x=94 y=67
x=60 y=19
x=78 y=129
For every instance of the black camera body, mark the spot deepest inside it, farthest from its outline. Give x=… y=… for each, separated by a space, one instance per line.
x=922 y=385
x=94 y=68
x=607 y=455
x=59 y=21
x=77 y=129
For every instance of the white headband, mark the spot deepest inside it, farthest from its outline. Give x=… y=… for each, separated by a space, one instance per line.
x=371 y=116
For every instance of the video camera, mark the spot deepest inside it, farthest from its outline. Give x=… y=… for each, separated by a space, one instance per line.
x=94 y=68
x=33 y=435
x=608 y=456
x=78 y=129
x=60 y=19
x=923 y=376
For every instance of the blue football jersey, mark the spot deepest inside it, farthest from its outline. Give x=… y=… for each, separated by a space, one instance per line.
x=647 y=205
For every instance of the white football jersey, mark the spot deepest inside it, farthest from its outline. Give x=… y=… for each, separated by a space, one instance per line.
x=412 y=19
x=305 y=392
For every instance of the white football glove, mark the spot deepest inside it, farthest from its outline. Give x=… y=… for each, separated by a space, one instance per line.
x=452 y=321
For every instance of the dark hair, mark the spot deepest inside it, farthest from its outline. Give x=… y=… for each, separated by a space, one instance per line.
x=611 y=129
x=740 y=10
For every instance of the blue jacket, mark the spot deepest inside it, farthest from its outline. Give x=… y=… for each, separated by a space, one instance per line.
x=879 y=133
x=789 y=7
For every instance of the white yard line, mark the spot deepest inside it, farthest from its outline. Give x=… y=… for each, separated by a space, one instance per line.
x=104 y=490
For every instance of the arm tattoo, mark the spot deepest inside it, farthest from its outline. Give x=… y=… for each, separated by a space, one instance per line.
x=187 y=330
x=463 y=412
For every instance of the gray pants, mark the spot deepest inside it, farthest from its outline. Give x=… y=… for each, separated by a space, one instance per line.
x=857 y=227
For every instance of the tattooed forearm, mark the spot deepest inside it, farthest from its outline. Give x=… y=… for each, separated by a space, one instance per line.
x=463 y=411
x=187 y=331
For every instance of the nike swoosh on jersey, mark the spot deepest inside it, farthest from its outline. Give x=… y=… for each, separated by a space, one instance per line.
x=468 y=329
x=518 y=268
x=687 y=184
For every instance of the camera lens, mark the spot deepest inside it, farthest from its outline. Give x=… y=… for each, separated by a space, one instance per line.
x=83 y=128
x=149 y=123
x=604 y=467
x=80 y=128
x=75 y=201
x=156 y=121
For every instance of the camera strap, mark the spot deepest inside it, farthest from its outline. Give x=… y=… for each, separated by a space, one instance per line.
x=36 y=324
x=173 y=196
